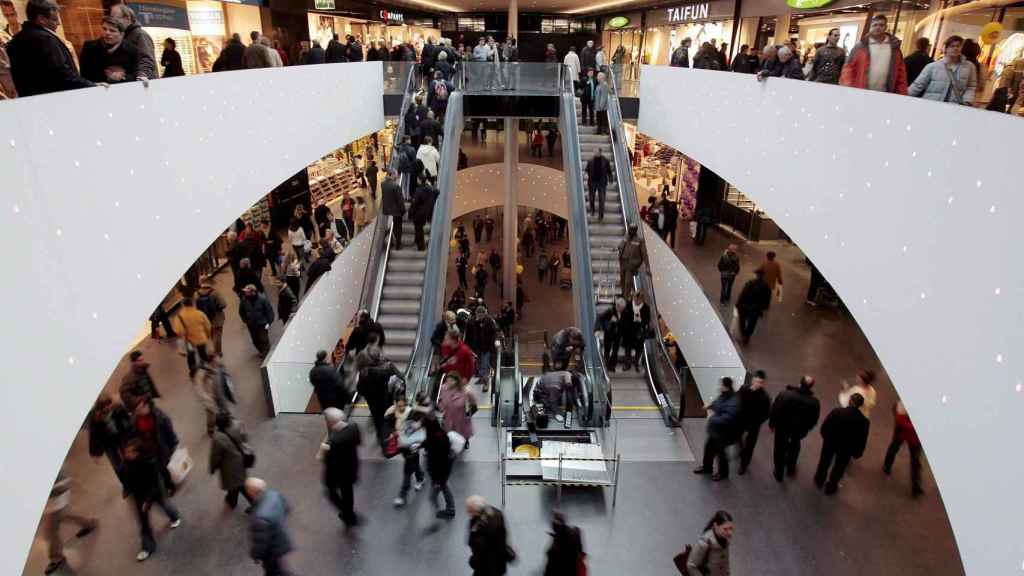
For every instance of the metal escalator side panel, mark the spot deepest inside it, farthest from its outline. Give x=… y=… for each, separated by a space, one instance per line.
x=660 y=372
x=436 y=272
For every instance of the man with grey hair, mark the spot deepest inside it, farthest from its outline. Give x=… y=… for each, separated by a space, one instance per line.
x=769 y=61
x=393 y=204
x=40 y=61
x=256 y=54
x=786 y=66
x=267 y=529
x=138 y=39
x=601 y=94
x=273 y=57
x=341 y=464
x=488 y=538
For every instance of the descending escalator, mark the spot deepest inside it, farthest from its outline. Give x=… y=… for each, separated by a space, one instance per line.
x=400 y=298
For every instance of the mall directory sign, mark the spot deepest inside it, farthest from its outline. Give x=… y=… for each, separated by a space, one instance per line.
x=805 y=4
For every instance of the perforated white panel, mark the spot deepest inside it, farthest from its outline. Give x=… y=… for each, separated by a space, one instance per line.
x=910 y=209
x=109 y=195
x=484 y=187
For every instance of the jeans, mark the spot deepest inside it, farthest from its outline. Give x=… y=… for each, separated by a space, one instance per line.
x=714 y=448
x=915 y=460
x=748 y=322
x=749 y=441
x=340 y=494
x=601 y=193
x=588 y=113
x=602 y=121
x=611 y=351
x=190 y=357
x=148 y=543
x=483 y=366
x=410 y=469
x=727 y=282
x=449 y=500
x=260 y=338
x=53 y=523
x=786 y=452
x=841 y=461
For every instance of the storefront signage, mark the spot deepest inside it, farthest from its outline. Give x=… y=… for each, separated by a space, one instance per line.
x=160 y=16
x=805 y=4
x=618 y=22
x=206 y=18
x=692 y=12
x=248 y=2
x=323 y=4
x=389 y=16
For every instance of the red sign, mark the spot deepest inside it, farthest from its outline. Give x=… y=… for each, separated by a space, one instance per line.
x=389 y=16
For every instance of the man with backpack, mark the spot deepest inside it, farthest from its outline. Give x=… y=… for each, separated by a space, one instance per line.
x=406 y=161
x=439 y=90
x=480 y=335
x=209 y=302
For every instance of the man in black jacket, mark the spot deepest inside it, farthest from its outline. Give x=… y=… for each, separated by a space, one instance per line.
x=393 y=205
x=361 y=334
x=794 y=412
x=722 y=431
x=488 y=538
x=318 y=268
x=728 y=268
x=480 y=335
x=316 y=54
x=599 y=171
x=326 y=383
x=255 y=311
x=139 y=39
x=612 y=323
x=916 y=62
x=755 y=405
x=341 y=464
x=420 y=210
x=40 y=62
x=588 y=57
x=335 y=51
x=354 y=51
x=752 y=303
x=845 y=435
x=232 y=57
x=588 y=89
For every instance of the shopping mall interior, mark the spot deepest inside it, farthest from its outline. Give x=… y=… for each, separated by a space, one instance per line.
x=476 y=287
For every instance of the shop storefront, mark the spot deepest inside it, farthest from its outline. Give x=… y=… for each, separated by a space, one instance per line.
x=212 y=23
x=701 y=22
x=369 y=24
x=625 y=31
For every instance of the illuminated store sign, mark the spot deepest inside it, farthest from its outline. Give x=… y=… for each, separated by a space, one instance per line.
x=805 y=4
x=389 y=16
x=618 y=22
x=160 y=16
x=323 y=4
x=689 y=13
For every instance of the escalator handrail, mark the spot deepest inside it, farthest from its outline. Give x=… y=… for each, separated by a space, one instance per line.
x=631 y=216
x=435 y=275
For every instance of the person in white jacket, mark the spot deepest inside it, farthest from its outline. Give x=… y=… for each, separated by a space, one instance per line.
x=865 y=387
x=572 y=61
x=430 y=157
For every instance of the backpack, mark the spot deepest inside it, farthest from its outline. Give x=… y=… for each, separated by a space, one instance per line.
x=207 y=304
x=441 y=90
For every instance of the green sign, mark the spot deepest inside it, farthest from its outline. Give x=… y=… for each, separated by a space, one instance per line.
x=806 y=4
x=323 y=4
x=618 y=22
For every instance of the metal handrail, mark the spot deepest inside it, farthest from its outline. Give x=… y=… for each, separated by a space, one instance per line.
x=630 y=215
x=382 y=271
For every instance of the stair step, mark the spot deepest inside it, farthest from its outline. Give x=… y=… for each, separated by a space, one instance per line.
x=394 y=278
x=399 y=307
x=403 y=292
x=609 y=216
x=398 y=321
x=401 y=337
x=397 y=353
x=407 y=265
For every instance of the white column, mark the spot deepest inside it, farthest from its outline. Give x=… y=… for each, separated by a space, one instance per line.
x=510 y=226
x=513 y=19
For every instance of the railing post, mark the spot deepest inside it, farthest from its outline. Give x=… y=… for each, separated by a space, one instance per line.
x=615 y=487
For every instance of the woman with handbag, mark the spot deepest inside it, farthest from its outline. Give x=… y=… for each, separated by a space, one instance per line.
x=952 y=79
x=232 y=457
x=458 y=404
x=710 y=555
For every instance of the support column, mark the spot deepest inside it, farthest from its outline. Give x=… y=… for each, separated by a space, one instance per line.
x=513 y=18
x=510 y=222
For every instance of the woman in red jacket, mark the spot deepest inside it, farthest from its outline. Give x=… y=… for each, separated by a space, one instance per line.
x=457 y=357
x=903 y=431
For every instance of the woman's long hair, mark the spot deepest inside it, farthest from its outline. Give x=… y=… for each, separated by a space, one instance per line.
x=720 y=517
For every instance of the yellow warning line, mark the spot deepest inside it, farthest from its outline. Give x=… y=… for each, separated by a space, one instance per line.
x=640 y=408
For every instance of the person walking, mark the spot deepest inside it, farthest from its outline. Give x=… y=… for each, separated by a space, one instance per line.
x=795 y=412
x=215 y=392
x=360 y=336
x=953 y=79
x=458 y=404
x=393 y=204
x=599 y=172
x=143 y=482
x=481 y=333
x=845 y=435
x=490 y=553
x=601 y=94
x=420 y=210
x=271 y=543
x=410 y=441
x=903 y=432
x=752 y=303
x=565 y=554
x=171 y=59
x=710 y=555
x=865 y=386
x=588 y=92
x=828 y=60
x=287 y=302
x=341 y=464
x=375 y=374
x=327 y=384
x=636 y=326
x=681 y=55
x=728 y=268
x=257 y=314
x=916 y=62
x=542 y=265
x=232 y=457
x=195 y=327
x=572 y=62
x=632 y=255
x=110 y=426
x=439 y=462
x=210 y=302
x=722 y=431
x=456 y=356
x=876 y=62
x=138 y=382
x=755 y=406
x=55 y=514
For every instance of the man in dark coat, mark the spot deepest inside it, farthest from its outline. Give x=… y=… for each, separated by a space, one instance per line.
x=361 y=333
x=393 y=205
x=326 y=384
x=588 y=57
x=420 y=210
x=723 y=430
x=256 y=312
x=916 y=62
x=480 y=335
x=566 y=550
x=232 y=57
x=316 y=54
x=40 y=62
x=341 y=464
x=141 y=474
x=754 y=300
x=336 y=51
x=845 y=435
x=755 y=405
x=728 y=268
x=612 y=323
x=794 y=413
x=270 y=540
x=670 y=214
x=599 y=171
x=318 y=268
x=488 y=539
x=139 y=40
x=354 y=51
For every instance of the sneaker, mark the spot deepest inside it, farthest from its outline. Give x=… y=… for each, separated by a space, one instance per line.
x=445 y=514
x=176 y=523
x=398 y=502
x=142 y=555
x=54 y=566
x=418 y=486
x=559 y=418
x=701 y=470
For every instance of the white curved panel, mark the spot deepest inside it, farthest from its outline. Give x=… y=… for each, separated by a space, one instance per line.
x=709 y=350
x=109 y=195
x=909 y=209
x=318 y=325
x=483 y=186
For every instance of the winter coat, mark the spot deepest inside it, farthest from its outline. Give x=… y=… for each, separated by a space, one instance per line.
x=287 y=302
x=227 y=458
x=846 y=431
x=141 y=478
x=41 y=63
x=360 y=336
x=258 y=56
x=255 y=311
x=629 y=328
x=393 y=203
x=316 y=55
x=211 y=390
x=96 y=58
x=589 y=90
x=336 y=52
x=327 y=386
x=724 y=420
x=707 y=60
x=599 y=171
x=755 y=406
x=216 y=303
x=341 y=463
x=488 y=543
x=429 y=156
x=632 y=254
x=141 y=44
x=171 y=61
x=601 y=97
x=944 y=82
x=565 y=552
x=460 y=360
x=480 y=334
x=453 y=404
x=442 y=328
x=755 y=297
x=795 y=411
x=680 y=57
x=232 y=57
x=439 y=452
x=708 y=557
x=572 y=61
x=193 y=325
x=858 y=64
x=915 y=63
x=828 y=64
x=588 y=59
x=422 y=207
x=729 y=264
x=318 y=268
x=270 y=540
x=166 y=437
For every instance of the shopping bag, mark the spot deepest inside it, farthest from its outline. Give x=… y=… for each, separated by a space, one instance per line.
x=734 y=324
x=391 y=448
x=179 y=466
x=681 y=559
x=778 y=292
x=693 y=229
x=457 y=441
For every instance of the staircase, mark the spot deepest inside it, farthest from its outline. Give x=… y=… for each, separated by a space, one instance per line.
x=399 y=311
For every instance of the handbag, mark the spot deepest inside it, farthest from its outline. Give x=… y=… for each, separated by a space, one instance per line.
x=391 y=447
x=179 y=466
x=248 y=456
x=681 y=559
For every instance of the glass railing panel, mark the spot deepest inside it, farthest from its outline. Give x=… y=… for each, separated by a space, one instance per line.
x=523 y=78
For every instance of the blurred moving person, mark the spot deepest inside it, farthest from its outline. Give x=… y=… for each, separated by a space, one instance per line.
x=57 y=512
x=565 y=555
x=341 y=464
x=903 y=432
x=490 y=553
x=269 y=534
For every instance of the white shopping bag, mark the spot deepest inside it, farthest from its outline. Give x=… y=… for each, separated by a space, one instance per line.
x=693 y=228
x=179 y=466
x=457 y=441
x=778 y=292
